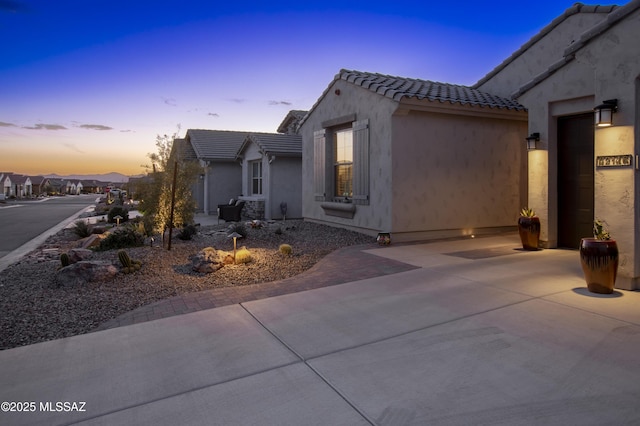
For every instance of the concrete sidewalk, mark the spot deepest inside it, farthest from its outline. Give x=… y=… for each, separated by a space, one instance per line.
x=480 y=333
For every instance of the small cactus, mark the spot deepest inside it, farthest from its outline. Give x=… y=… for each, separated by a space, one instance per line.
x=243 y=256
x=285 y=249
x=64 y=259
x=124 y=259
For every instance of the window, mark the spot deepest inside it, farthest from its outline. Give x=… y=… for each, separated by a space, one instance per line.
x=256 y=177
x=343 y=163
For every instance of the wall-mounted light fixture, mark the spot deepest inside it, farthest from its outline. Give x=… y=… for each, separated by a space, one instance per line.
x=531 y=140
x=604 y=112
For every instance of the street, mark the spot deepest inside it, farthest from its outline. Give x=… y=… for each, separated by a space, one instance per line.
x=22 y=221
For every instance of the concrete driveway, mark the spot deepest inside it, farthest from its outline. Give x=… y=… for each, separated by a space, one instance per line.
x=482 y=333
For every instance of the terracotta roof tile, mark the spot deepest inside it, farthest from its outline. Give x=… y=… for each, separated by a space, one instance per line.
x=275 y=144
x=397 y=88
x=215 y=144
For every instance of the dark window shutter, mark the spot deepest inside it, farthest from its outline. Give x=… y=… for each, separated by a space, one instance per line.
x=361 y=162
x=319 y=155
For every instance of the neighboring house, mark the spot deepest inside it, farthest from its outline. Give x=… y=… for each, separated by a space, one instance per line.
x=14 y=185
x=415 y=158
x=579 y=171
x=78 y=188
x=221 y=177
x=38 y=185
x=90 y=186
x=263 y=169
x=57 y=186
x=271 y=175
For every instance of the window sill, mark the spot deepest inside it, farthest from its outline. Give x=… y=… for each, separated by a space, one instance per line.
x=346 y=210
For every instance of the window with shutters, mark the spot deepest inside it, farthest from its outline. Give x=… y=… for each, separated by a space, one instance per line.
x=341 y=163
x=256 y=177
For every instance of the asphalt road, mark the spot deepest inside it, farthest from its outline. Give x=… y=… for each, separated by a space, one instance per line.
x=22 y=222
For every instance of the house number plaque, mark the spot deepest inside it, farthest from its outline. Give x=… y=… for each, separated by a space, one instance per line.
x=614 y=161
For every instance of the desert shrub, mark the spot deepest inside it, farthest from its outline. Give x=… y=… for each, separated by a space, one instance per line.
x=81 y=229
x=118 y=211
x=243 y=255
x=121 y=238
x=239 y=228
x=187 y=232
x=278 y=231
x=285 y=249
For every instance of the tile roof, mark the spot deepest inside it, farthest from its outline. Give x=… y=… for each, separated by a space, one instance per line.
x=215 y=144
x=275 y=144
x=291 y=120
x=397 y=88
x=184 y=148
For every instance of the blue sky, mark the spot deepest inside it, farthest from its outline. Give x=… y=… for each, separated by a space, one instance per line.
x=86 y=85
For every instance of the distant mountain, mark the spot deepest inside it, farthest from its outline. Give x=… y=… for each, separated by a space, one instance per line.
x=106 y=177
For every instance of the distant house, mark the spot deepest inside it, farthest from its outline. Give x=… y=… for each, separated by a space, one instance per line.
x=90 y=186
x=39 y=185
x=271 y=175
x=15 y=185
x=263 y=169
x=412 y=157
x=57 y=186
x=221 y=177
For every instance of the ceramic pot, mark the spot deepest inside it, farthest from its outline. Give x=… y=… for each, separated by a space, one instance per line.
x=599 y=260
x=529 y=230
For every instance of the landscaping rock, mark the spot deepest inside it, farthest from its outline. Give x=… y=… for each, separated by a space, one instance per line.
x=207 y=260
x=78 y=254
x=85 y=271
x=92 y=240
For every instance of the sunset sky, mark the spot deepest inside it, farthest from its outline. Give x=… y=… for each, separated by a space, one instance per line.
x=86 y=85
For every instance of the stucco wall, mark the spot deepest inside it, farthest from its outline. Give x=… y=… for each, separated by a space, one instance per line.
x=366 y=105
x=456 y=174
x=224 y=183
x=608 y=67
x=540 y=55
x=285 y=185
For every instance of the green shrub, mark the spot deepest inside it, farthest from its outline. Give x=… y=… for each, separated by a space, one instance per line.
x=122 y=237
x=239 y=228
x=117 y=211
x=64 y=260
x=81 y=229
x=278 y=231
x=285 y=249
x=187 y=232
x=243 y=256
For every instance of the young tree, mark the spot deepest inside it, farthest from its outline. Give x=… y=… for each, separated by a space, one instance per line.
x=156 y=200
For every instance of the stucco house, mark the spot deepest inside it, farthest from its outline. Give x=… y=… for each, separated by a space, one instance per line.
x=221 y=177
x=15 y=185
x=271 y=175
x=262 y=169
x=422 y=159
x=580 y=170
x=415 y=158
x=39 y=184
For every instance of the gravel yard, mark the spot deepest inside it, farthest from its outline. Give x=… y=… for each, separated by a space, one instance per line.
x=34 y=309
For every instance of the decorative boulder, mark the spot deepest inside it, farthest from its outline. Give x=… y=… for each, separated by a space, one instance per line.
x=206 y=261
x=85 y=271
x=78 y=254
